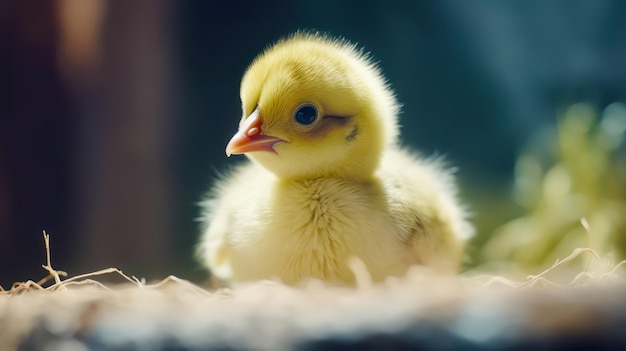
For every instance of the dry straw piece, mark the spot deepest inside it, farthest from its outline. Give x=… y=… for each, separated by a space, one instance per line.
x=85 y=279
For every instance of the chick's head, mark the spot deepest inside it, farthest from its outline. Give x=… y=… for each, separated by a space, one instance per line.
x=314 y=106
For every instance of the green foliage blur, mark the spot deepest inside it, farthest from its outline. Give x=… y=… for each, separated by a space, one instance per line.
x=569 y=192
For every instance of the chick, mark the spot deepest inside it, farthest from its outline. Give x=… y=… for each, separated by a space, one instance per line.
x=328 y=181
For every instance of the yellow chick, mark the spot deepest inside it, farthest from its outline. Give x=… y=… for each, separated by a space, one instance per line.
x=327 y=181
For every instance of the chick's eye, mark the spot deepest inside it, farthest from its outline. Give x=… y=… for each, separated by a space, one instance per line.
x=305 y=115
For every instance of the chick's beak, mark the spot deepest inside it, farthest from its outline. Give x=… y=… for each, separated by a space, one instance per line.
x=250 y=137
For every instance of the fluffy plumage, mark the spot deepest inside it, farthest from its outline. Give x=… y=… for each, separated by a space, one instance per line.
x=328 y=181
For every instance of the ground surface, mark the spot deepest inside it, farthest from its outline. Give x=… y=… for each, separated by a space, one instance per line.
x=422 y=311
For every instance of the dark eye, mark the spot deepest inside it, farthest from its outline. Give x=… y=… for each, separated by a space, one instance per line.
x=306 y=115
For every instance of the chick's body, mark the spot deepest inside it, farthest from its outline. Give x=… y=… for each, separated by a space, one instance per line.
x=328 y=181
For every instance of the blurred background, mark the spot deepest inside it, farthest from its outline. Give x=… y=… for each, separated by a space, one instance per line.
x=114 y=116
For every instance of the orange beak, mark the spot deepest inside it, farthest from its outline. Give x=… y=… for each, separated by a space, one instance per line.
x=250 y=137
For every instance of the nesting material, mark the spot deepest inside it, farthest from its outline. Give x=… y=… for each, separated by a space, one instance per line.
x=422 y=310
